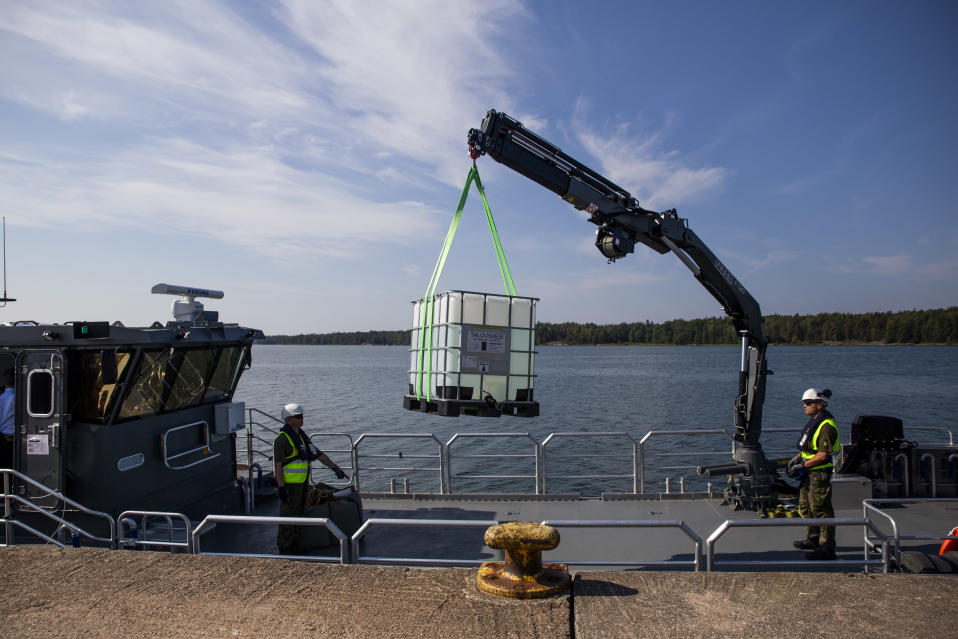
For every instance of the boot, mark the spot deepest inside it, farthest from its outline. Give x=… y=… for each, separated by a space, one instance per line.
x=822 y=553
x=806 y=544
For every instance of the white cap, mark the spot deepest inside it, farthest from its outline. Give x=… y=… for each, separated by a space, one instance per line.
x=814 y=395
x=291 y=409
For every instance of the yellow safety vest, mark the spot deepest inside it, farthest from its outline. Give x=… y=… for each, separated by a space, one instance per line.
x=814 y=447
x=297 y=471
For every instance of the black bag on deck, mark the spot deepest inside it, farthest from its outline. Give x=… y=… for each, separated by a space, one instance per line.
x=344 y=507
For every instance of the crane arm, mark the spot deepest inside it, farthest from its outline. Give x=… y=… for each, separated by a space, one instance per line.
x=622 y=222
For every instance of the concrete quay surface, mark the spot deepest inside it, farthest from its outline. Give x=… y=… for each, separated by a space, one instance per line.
x=93 y=593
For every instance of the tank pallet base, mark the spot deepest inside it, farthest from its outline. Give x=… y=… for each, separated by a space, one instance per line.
x=477 y=408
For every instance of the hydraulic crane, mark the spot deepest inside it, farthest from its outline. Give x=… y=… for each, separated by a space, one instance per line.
x=621 y=221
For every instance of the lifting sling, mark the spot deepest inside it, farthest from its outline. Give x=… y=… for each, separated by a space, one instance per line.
x=425 y=323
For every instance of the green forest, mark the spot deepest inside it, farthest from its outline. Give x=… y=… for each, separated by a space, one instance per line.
x=936 y=326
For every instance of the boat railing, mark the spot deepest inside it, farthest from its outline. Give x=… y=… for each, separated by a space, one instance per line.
x=210 y=521
x=203 y=451
x=10 y=521
x=866 y=561
x=580 y=455
x=935 y=429
x=695 y=562
x=464 y=461
x=444 y=524
x=536 y=456
x=257 y=421
x=440 y=458
x=873 y=506
x=126 y=525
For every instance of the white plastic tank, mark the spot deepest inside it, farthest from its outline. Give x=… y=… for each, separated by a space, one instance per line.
x=478 y=345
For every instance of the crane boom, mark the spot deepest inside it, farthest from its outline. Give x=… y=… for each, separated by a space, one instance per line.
x=622 y=222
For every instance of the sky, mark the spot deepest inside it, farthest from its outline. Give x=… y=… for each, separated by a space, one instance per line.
x=306 y=157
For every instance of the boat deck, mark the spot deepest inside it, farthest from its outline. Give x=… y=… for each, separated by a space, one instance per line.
x=618 y=532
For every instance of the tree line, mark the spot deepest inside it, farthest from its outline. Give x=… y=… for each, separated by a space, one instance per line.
x=935 y=326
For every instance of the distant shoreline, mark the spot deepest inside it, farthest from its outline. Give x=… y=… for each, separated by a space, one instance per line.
x=938 y=327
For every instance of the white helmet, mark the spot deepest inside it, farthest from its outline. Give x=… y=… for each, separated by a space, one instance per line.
x=289 y=410
x=814 y=395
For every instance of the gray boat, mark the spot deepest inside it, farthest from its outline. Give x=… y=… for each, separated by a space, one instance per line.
x=132 y=438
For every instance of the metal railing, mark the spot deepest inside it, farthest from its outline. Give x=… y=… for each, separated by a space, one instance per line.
x=429 y=523
x=535 y=456
x=635 y=449
x=441 y=457
x=10 y=522
x=696 y=562
x=775 y=523
x=124 y=522
x=636 y=466
x=935 y=429
x=255 y=423
x=210 y=520
x=871 y=505
x=205 y=450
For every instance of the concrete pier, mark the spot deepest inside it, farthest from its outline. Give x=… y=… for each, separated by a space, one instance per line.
x=92 y=593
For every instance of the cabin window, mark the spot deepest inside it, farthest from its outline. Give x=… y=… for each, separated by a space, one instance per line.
x=177 y=378
x=194 y=369
x=226 y=374
x=91 y=400
x=40 y=393
x=148 y=385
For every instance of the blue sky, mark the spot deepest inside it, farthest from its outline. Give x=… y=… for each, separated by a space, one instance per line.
x=306 y=157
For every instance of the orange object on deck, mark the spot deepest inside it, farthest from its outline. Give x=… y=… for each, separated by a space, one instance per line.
x=949 y=544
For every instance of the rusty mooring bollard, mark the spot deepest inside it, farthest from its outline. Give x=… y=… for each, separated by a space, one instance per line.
x=522 y=575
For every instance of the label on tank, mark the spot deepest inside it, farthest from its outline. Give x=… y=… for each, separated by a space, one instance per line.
x=485 y=349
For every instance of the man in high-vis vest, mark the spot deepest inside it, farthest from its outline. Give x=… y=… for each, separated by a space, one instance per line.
x=292 y=452
x=812 y=466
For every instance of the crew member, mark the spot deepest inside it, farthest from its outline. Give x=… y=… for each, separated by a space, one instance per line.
x=813 y=468
x=292 y=452
x=7 y=405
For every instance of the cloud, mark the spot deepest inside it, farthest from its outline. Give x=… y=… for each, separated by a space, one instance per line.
x=246 y=196
x=899 y=265
x=662 y=177
x=407 y=84
x=249 y=123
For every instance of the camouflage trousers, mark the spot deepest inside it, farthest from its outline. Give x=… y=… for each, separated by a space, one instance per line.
x=815 y=502
x=288 y=536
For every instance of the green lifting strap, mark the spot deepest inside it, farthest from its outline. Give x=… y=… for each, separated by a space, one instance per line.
x=425 y=323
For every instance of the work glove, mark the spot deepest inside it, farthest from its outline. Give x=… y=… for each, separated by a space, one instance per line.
x=339 y=473
x=796 y=467
x=283 y=493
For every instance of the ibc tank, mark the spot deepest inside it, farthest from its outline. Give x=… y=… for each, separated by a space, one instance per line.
x=480 y=346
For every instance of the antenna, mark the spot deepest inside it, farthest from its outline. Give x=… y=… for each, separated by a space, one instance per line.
x=5 y=299
x=186 y=309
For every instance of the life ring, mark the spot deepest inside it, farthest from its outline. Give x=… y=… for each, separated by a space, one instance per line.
x=949 y=544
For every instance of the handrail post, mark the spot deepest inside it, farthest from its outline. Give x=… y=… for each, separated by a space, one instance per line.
x=443 y=453
x=635 y=467
x=545 y=464
x=642 y=461
x=354 y=453
x=906 y=473
x=934 y=481
x=538 y=453
x=9 y=537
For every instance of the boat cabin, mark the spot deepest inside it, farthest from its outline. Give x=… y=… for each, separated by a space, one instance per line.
x=120 y=418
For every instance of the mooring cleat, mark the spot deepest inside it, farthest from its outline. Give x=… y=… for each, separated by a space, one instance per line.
x=522 y=575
